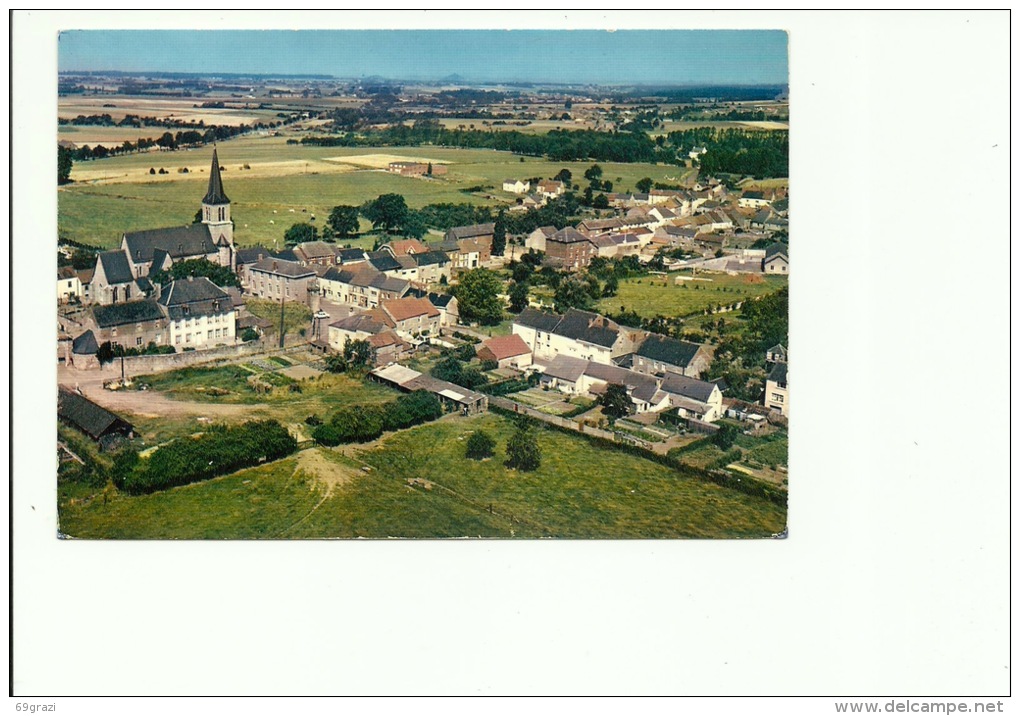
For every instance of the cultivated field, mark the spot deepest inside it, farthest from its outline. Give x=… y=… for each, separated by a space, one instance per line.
x=184 y=109
x=323 y=493
x=380 y=161
x=651 y=296
x=287 y=184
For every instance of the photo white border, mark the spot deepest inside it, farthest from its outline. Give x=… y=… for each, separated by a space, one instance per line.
x=895 y=578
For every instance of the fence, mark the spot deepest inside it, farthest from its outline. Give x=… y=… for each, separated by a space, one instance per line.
x=142 y=365
x=512 y=406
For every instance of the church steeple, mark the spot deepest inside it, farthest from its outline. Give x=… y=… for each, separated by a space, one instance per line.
x=216 y=215
x=215 y=195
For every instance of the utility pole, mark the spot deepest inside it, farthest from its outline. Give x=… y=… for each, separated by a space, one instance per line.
x=282 y=315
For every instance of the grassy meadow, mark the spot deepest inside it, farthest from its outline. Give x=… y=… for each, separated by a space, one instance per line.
x=287 y=184
x=326 y=494
x=651 y=296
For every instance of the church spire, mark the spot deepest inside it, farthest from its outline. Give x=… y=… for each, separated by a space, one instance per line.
x=215 y=194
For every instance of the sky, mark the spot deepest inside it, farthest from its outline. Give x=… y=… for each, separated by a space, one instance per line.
x=673 y=57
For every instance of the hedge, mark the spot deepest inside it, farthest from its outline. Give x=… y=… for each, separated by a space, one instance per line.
x=367 y=422
x=219 y=451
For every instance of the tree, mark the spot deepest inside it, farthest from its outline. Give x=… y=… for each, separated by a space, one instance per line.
x=518 y=297
x=358 y=355
x=522 y=451
x=615 y=402
x=219 y=275
x=564 y=176
x=387 y=212
x=105 y=353
x=611 y=286
x=644 y=185
x=499 y=234
x=600 y=202
x=573 y=292
x=64 y=164
x=343 y=220
x=480 y=446
x=725 y=436
x=478 y=297
x=414 y=225
x=299 y=233
x=593 y=173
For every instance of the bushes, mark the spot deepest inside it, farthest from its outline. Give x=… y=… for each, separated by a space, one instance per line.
x=326 y=434
x=220 y=451
x=522 y=451
x=364 y=423
x=480 y=446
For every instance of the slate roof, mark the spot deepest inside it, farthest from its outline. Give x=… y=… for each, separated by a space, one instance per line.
x=587 y=327
x=642 y=387
x=286 y=255
x=539 y=320
x=439 y=300
x=188 y=298
x=382 y=261
x=116 y=267
x=92 y=419
x=430 y=258
x=470 y=232
x=688 y=387
x=363 y=322
x=190 y=290
x=778 y=373
x=351 y=255
x=279 y=267
x=177 y=241
x=119 y=314
x=144 y=284
x=668 y=350
x=251 y=255
x=66 y=272
x=566 y=368
x=567 y=235
x=776 y=250
x=215 y=193
x=85 y=344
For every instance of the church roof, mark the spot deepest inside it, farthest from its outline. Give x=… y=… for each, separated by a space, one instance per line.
x=180 y=242
x=215 y=194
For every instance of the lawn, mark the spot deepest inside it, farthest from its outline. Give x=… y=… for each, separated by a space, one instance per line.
x=286 y=184
x=574 y=493
x=321 y=493
x=296 y=316
x=320 y=396
x=651 y=296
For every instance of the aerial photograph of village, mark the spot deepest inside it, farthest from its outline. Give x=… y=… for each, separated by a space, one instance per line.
x=378 y=290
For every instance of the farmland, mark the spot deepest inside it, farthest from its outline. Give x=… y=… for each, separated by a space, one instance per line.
x=118 y=194
x=322 y=493
x=650 y=296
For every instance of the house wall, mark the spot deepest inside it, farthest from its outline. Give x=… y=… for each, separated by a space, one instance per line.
x=777 y=398
x=203 y=331
x=68 y=288
x=777 y=265
x=273 y=286
x=573 y=255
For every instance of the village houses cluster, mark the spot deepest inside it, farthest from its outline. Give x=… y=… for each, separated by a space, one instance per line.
x=394 y=297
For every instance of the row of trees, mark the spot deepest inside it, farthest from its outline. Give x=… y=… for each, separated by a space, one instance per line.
x=222 y=276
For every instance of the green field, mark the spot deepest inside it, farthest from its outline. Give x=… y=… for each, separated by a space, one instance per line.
x=287 y=184
x=651 y=296
x=322 y=493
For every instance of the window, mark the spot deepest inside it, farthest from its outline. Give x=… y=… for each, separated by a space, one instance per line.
x=178 y=338
x=187 y=338
x=209 y=336
x=113 y=332
x=777 y=398
x=138 y=341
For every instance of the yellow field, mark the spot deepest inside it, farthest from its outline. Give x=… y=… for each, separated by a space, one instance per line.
x=380 y=161
x=767 y=125
x=185 y=109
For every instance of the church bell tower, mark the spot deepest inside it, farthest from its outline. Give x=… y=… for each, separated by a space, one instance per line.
x=216 y=215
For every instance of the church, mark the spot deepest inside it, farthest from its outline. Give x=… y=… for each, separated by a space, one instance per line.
x=121 y=275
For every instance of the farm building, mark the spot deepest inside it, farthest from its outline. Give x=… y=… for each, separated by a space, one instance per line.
x=453 y=396
x=506 y=351
x=90 y=418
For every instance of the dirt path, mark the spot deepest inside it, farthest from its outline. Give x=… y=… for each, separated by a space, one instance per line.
x=147 y=403
x=323 y=474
